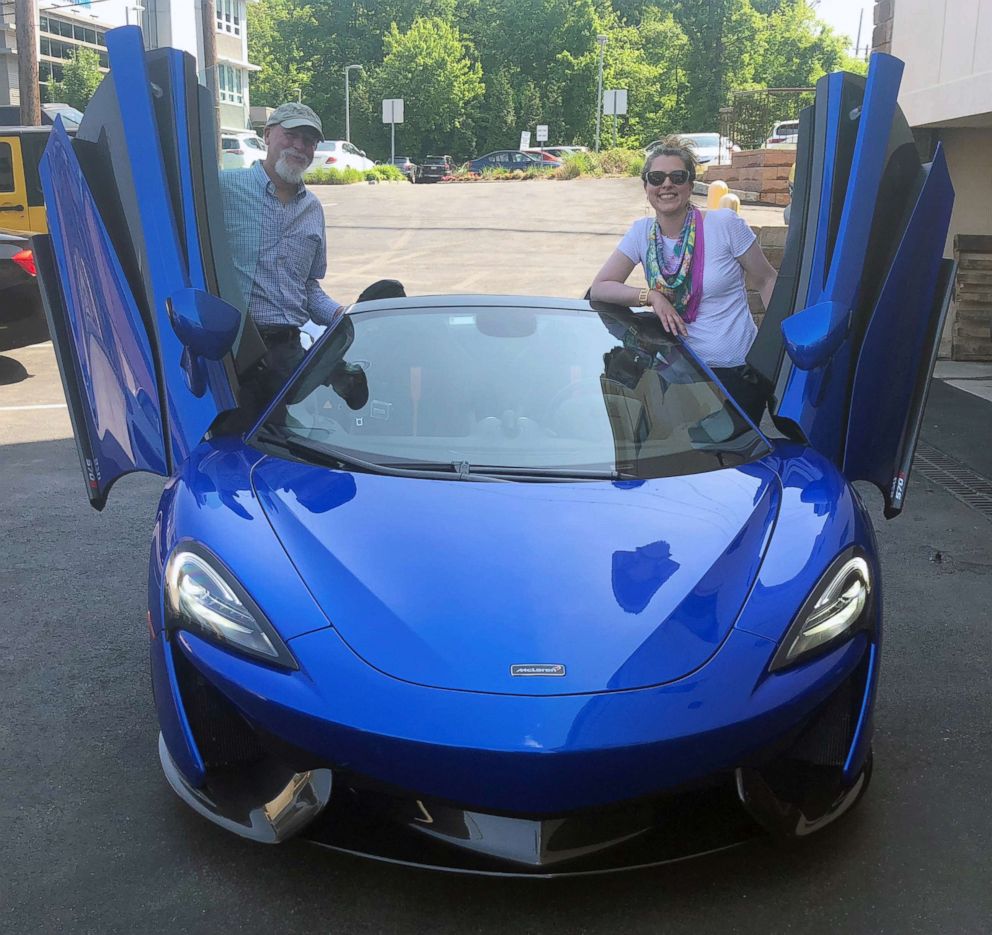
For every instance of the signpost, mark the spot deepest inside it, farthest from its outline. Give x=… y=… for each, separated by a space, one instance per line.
x=392 y=113
x=525 y=139
x=615 y=102
x=542 y=137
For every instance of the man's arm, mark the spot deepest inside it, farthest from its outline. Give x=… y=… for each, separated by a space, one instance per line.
x=320 y=306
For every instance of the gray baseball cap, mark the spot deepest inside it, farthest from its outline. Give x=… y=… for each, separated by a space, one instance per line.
x=292 y=115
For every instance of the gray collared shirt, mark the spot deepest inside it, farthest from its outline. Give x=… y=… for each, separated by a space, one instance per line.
x=279 y=250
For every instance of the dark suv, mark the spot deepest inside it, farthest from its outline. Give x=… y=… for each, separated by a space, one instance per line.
x=435 y=168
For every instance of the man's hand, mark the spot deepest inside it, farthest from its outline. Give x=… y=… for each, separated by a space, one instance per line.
x=670 y=319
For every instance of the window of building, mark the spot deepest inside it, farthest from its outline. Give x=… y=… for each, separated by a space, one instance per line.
x=230 y=84
x=228 y=17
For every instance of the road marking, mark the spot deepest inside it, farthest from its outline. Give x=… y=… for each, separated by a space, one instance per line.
x=43 y=344
x=39 y=406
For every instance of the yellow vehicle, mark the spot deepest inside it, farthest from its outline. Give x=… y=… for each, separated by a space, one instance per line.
x=22 y=205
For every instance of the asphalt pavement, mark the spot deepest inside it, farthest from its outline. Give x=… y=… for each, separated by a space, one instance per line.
x=95 y=841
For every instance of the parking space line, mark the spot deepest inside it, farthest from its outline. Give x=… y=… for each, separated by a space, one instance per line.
x=38 y=406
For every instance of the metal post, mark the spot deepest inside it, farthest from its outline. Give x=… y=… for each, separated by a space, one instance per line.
x=614 y=128
x=347 y=100
x=599 y=88
x=392 y=137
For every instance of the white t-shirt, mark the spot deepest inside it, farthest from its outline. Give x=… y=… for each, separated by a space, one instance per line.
x=723 y=330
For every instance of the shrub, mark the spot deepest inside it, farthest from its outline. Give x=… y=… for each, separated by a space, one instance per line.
x=334 y=177
x=384 y=173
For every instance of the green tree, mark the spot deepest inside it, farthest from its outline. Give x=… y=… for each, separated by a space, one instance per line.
x=81 y=76
x=280 y=40
x=433 y=69
x=797 y=49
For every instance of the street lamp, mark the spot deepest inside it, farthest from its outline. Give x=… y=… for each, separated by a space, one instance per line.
x=599 y=87
x=347 y=102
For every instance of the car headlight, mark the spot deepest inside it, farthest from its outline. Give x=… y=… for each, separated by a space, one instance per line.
x=834 y=611
x=203 y=596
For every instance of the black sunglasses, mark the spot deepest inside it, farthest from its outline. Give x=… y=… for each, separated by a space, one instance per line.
x=657 y=177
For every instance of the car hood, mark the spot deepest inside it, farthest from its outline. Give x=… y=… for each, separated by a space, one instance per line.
x=595 y=586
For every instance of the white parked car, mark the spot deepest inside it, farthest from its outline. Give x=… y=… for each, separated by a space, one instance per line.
x=784 y=135
x=239 y=150
x=339 y=154
x=709 y=147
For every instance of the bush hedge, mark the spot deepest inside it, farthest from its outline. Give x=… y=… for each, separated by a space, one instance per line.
x=351 y=176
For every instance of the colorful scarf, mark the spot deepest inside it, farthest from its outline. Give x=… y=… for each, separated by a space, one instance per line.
x=680 y=279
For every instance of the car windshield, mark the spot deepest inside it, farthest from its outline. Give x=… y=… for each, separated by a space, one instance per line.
x=253 y=142
x=435 y=161
x=326 y=146
x=522 y=392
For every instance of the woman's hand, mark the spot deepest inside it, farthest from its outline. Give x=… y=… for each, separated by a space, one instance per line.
x=670 y=319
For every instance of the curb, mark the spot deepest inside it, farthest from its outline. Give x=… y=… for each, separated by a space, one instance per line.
x=748 y=198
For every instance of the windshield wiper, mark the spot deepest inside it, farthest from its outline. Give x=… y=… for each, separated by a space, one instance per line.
x=334 y=457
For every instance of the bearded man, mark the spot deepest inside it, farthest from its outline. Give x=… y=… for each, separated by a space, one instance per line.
x=276 y=233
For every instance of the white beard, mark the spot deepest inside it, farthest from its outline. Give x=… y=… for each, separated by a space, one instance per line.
x=289 y=171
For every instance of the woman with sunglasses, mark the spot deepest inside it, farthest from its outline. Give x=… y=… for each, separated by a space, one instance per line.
x=694 y=263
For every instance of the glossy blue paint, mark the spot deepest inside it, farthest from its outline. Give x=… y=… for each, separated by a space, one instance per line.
x=861 y=741
x=110 y=357
x=831 y=88
x=882 y=407
x=474 y=578
x=813 y=334
x=169 y=270
x=817 y=399
x=525 y=754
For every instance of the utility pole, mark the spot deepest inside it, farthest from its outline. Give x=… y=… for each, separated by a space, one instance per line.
x=857 y=42
x=208 y=23
x=347 y=101
x=26 y=15
x=599 y=88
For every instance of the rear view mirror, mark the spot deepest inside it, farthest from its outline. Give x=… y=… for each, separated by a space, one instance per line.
x=812 y=335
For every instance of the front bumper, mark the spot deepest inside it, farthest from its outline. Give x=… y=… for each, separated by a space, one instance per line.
x=514 y=784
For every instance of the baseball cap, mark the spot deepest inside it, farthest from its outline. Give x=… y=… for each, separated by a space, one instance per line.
x=292 y=115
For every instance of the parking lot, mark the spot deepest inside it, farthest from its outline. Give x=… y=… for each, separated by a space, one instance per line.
x=95 y=841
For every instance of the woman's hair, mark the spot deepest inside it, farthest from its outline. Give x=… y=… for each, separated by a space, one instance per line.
x=672 y=146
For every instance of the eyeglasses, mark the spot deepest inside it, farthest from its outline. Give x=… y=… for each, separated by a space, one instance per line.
x=657 y=177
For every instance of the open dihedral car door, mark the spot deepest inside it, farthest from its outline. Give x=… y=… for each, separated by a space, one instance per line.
x=851 y=335
x=133 y=270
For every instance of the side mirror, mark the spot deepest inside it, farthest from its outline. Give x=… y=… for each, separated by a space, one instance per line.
x=205 y=324
x=812 y=335
x=207 y=327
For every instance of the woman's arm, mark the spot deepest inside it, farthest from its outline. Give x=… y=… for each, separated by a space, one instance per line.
x=610 y=285
x=760 y=274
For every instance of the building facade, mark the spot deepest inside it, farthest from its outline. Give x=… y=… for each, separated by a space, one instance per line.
x=177 y=23
x=946 y=96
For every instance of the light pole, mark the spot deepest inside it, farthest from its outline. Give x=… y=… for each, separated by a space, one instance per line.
x=347 y=101
x=599 y=88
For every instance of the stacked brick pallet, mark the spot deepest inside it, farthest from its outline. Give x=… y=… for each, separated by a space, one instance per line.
x=764 y=172
x=971 y=337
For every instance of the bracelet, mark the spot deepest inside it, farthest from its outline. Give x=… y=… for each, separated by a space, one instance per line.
x=642 y=296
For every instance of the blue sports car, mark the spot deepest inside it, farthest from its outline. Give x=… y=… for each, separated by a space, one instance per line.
x=500 y=584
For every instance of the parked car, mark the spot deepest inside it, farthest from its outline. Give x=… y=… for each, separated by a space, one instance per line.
x=10 y=115
x=239 y=150
x=784 y=135
x=561 y=151
x=22 y=317
x=709 y=147
x=22 y=204
x=510 y=159
x=435 y=168
x=407 y=166
x=339 y=154
x=500 y=584
x=547 y=158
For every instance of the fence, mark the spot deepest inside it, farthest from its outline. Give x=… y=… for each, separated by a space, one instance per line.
x=749 y=119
